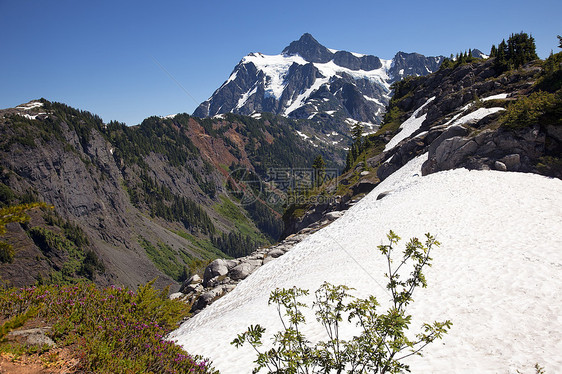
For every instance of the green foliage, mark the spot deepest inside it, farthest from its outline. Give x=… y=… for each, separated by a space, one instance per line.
x=17 y=321
x=169 y=261
x=236 y=244
x=14 y=213
x=551 y=76
x=6 y=195
x=382 y=343
x=77 y=261
x=119 y=331
x=247 y=238
x=519 y=50
x=71 y=231
x=163 y=136
x=165 y=204
x=266 y=219
x=538 y=108
x=460 y=59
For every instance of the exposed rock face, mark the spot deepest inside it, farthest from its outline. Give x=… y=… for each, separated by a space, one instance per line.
x=415 y=64
x=499 y=150
x=308 y=48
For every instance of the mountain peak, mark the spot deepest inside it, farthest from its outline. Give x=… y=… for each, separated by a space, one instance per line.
x=309 y=48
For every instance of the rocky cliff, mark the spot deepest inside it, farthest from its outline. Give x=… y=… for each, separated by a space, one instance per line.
x=156 y=200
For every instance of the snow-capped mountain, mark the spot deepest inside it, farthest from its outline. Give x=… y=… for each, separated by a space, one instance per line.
x=308 y=80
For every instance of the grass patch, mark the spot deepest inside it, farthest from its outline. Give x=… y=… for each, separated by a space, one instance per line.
x=235 y=214
x=205 y=246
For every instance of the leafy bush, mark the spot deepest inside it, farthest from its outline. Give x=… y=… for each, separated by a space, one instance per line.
x=117 y=330
x=382 y=343
x=538 y=108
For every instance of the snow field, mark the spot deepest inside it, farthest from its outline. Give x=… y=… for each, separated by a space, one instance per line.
x=497 y=275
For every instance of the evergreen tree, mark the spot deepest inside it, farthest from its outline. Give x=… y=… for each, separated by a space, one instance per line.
x=357 y=131
x=519 y=50
x=319 y=167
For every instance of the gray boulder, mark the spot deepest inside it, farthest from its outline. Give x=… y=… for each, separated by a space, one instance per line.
x=244 y=269
x=215 y=269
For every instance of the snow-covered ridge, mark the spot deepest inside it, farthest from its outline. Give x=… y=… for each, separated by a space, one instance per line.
x=496 y=275
x=275 y=68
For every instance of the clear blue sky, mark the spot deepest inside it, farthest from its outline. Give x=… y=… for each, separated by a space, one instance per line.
x=107 y=56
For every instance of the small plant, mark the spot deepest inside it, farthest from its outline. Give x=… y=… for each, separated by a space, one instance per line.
x=382 y=343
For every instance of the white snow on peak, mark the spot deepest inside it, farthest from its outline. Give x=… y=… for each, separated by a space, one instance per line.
x=169 y=116
x=359 y=55
x=30 y=105
x=301 y=99
x=275 y=68
x=231 y=78
x=373 y=99
x=408 y=127
x=256 y=115
x=245 y=97
x=333 y=50
x=496 y=275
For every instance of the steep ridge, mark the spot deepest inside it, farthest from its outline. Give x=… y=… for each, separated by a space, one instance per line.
x=155 y=200
x=308 y=80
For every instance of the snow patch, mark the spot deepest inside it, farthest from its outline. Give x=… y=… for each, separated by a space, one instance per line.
x=475 y=116
x=496 y=97
x=373 y=100
x=408 y=127
x=245 y=97
x=302 y=135
x=30 y=105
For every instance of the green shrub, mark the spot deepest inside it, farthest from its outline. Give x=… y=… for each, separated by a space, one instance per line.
x=538 y=108
x=382 y=342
